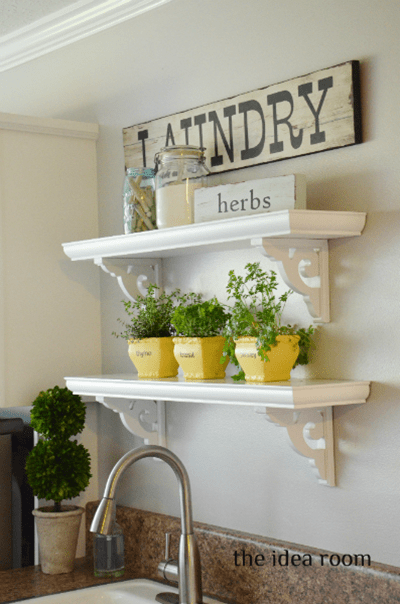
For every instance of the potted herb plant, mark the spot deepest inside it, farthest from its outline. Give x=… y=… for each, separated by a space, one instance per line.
x=198 y=343
x=256 y=339
x=58 y=468
x=148 y=331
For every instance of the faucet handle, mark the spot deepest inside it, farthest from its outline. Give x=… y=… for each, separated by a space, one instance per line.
x=167 y=544
x=168 y=568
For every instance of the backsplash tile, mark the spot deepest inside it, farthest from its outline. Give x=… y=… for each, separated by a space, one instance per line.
x=262 y=571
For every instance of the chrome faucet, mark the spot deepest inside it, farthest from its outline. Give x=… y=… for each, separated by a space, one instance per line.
x=187 y=569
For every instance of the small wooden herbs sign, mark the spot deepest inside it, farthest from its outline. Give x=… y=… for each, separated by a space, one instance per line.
x=308 y=114
x=250 y=197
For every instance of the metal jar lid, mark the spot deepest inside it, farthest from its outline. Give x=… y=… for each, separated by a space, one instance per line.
x=179 y=152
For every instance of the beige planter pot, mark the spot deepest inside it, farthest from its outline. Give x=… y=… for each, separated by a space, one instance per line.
x=282 y=357
x=200 y=357
x=153 y=357
x=58 y=538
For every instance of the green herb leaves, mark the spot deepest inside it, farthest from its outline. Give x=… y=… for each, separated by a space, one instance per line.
x=257 y=312
x=199 y=319
x=150 y=315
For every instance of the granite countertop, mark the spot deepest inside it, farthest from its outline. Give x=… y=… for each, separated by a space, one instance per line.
x=229 y=574
x=29 y=582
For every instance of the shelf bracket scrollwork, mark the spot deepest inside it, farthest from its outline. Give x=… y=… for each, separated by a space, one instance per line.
x=311 y=435
x=133 y=275
x=143 y=418
x=303 y=265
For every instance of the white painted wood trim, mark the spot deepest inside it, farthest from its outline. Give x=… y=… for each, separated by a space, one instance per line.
x=10 y=121
x=295 y=239
x=63 y=27
x=293 y=394
x=133 y=277
x=303 y=407
x=311 y=435
x=304 y=266
x=234 y=233
x=145 y=419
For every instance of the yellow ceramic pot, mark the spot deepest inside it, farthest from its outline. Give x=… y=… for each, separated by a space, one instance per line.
x=281 y=357
x=153 y=357
x=199 y=357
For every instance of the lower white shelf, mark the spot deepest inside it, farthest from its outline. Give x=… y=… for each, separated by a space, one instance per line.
x=293 y=394
x=303 y=407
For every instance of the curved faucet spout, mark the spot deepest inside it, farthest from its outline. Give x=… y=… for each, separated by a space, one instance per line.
x=103 y=519
x=188 y=568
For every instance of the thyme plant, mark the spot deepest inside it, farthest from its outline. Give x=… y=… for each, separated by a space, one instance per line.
x=150 y=315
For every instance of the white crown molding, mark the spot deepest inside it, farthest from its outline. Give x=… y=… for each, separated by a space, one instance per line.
x=40 y=125
x=82 y=19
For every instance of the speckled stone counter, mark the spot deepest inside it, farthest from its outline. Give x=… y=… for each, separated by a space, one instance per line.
x=238 y=568
x=29 y=582
x=257 y=573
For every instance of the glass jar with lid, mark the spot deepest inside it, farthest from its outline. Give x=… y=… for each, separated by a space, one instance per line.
x=180 y=170
x=139 y=200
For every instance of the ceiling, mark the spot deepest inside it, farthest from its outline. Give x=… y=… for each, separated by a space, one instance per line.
x=32 y=28
x=15 y=14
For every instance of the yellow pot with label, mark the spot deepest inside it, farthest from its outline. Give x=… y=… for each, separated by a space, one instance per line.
x=282 y=358
x=200 y=357
x=153 y=357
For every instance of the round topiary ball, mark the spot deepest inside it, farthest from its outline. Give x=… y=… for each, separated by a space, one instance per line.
x=58 y=414
x=58 y=470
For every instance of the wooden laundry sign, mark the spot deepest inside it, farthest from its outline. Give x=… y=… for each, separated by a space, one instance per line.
x=308 y=114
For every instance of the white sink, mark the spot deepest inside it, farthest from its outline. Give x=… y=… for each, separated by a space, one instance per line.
x=135 y=591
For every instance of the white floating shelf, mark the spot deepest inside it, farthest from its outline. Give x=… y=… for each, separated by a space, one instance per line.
x=234 y=233
x=297 y=240
x=303 y=407
x=294 y=394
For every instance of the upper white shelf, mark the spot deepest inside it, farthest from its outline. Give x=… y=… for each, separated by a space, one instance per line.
x=297 y=240
x=293 y=394
x=234 y=233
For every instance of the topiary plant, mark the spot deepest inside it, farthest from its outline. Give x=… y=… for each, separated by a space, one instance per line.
x=58 y=468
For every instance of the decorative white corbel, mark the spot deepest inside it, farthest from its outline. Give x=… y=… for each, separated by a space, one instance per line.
x=311 y=434
x=133 y=275
x=303 y=406
x=303 y=264
x=143 y=418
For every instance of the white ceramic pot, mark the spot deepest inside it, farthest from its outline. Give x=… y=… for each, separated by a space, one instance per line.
x=58 y=537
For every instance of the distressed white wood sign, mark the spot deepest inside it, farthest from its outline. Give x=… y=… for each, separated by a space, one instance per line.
x=308 y=114
x=250 y=197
